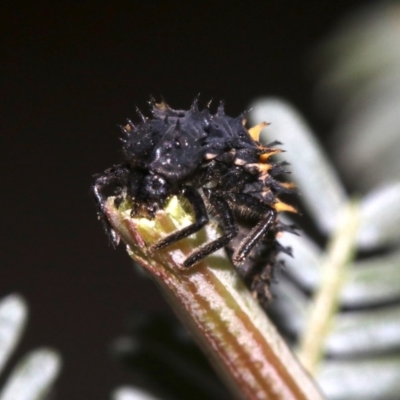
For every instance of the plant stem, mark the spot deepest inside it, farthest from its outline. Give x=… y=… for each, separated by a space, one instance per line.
x=326 y=300
x=213 y=303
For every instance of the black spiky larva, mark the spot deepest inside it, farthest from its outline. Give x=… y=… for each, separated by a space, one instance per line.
x=220 y=168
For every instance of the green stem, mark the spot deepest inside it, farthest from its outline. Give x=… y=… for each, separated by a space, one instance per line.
x=326 y=300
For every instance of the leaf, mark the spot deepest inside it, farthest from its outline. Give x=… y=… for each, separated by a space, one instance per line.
x=361 y=379
x=13 y=315
x=380 y=221
x=33 y=376
x=132 y=393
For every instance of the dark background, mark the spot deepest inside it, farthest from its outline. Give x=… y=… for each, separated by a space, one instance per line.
x=69 y=75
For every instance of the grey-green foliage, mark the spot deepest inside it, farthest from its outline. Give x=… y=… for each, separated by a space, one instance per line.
x=373 y=332
x=359 y=89
x=132 y=393
x=33 y=377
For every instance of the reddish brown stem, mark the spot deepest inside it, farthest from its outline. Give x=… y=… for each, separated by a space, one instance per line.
x=212 y=302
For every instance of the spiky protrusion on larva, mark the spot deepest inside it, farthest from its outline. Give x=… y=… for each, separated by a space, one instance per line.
x=264 y=167
x=258 y=269
x=256 y=130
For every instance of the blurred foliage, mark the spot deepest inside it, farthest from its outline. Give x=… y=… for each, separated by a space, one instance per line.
x=359 y=89
x=33 y=377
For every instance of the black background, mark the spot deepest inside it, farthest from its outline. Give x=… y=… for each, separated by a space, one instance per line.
x=69 y=74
